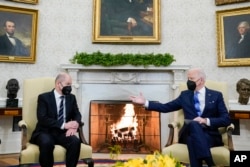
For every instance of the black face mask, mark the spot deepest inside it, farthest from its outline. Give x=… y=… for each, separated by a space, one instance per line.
x=191 y=85
x=66 y=90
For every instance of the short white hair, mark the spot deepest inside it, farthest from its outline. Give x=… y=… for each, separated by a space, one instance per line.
x=244 y=24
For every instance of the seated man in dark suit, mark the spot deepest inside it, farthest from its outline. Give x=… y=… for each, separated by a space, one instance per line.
x=206 y=111
x=58 y=119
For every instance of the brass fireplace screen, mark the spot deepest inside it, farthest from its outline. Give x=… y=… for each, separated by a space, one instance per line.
x=123 y=123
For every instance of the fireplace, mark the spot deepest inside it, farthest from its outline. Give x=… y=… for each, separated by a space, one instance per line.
x=123 y=123
x=102 y=84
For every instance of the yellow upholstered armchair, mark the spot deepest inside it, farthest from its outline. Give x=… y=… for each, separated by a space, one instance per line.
x=221 y=155
x=30 y=152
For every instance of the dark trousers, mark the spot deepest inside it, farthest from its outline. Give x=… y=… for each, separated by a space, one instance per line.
x=199 y=142
x=46 y=143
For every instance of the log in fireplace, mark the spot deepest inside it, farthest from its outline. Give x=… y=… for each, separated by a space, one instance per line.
x=123 y=123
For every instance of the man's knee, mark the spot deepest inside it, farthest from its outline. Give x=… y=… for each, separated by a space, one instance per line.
x=75 y=140
x=194 y=124
x=45 y=141
x=194 y=127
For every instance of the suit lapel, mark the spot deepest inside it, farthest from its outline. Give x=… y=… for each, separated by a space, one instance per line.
x=208 y=97
x=52 y=100
x=191 y=100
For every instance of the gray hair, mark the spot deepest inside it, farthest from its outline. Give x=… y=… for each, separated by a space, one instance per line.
x=200 y=72
x=244 y=24
x=61 y=77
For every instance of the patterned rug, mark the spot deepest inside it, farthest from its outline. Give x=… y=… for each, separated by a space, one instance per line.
x=97 y=163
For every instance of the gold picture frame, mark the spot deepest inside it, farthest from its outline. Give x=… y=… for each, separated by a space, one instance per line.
x=25 y=1
x=129 y=21
x=224 y=2
x=232 y=48
x=18 y=34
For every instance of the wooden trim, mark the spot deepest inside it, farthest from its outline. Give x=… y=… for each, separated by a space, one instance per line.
x=15 y=111
x=239 y=114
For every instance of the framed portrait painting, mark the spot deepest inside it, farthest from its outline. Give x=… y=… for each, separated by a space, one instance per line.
x=224 y=2
x=129 y=21
x=25 y=1
x=233 y=37
x=18 y=34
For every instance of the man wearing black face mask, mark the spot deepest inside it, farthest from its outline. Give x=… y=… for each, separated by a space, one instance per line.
x=203 y=129
x=58 y=119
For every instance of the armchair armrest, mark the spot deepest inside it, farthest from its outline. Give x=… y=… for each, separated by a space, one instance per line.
x=81 y=134
x=172 y=127
x=230 y=130
x=22 y=124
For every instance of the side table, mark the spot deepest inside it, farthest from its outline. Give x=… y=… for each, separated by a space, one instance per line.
x=15 y=112
x=238 y=111
x=10 y=111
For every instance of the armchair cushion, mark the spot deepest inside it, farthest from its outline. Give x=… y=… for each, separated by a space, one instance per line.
x=31 y=153
x=220 y=154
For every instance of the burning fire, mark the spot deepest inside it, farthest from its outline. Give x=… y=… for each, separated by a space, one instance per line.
x=126 y=128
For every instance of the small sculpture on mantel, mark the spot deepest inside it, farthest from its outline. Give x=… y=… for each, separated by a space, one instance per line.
x=243 y=88
x=12 y=89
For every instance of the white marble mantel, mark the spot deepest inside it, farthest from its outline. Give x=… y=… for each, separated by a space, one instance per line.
x=117 y=83
x=131 y=74
x=171 y=75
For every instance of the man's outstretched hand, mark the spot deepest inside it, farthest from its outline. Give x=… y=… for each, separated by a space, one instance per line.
x=138 y=99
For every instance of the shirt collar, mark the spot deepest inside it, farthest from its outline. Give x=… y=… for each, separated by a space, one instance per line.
x=57 y=95
x=202 y=90
x=8 y=35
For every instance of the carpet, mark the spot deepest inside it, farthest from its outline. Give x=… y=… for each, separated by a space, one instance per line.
x=97 y=163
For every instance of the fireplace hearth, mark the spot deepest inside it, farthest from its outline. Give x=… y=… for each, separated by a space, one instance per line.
x=123 y=123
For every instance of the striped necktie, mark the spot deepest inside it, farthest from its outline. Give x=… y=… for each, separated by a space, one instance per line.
x=197 y=103
x=60 y=113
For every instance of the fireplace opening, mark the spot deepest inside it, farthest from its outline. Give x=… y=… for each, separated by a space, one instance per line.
x=123 y=123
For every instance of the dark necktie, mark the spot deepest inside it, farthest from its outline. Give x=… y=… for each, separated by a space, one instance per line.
x=60 y=113
x=197 y=103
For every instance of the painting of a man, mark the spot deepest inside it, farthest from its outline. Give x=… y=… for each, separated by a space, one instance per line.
x=240 y=45
x=126 y=18
x=9 y=44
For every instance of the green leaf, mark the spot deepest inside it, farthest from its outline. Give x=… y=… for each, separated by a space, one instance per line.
x=108 y=59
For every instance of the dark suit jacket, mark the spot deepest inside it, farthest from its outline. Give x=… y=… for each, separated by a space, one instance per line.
x=240 y=50
x=6 y=47
x=215 y=109
x=47 y=113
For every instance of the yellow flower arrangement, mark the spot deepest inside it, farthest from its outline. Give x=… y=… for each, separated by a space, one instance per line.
x=153 y=160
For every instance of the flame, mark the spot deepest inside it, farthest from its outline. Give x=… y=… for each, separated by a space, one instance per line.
x=126 y=128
